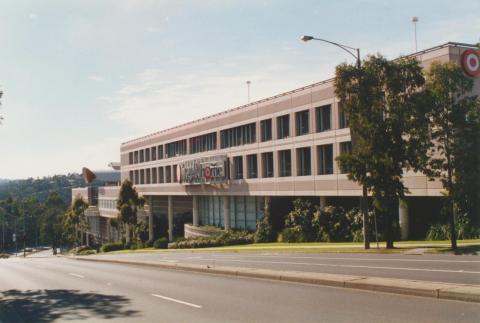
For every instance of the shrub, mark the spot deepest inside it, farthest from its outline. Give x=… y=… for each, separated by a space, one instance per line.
x=107 y=247
x=82 y=251
x=225 y=239
x=161 y=243
x=301 y=218
x=438 y=231
x=4 y=255
x=265 y=232
x=291 y=235
x=149 y=244
x=464 y=230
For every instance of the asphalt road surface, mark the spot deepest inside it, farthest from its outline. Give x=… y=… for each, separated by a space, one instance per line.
x=464 y=269
x=45 y=289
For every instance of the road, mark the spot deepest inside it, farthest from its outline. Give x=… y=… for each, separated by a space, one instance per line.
x=464 y=269
x=45 y=289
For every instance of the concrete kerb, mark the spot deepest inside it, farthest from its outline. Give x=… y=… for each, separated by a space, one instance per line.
x=448 y=291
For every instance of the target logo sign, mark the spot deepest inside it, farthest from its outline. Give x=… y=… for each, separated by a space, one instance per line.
x=471 y=62
x=207 y=172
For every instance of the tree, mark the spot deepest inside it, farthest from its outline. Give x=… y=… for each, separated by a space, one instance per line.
x=128 y=203
x=454 y=128
x=78 y=215
x=52 y=220
x=385 y=106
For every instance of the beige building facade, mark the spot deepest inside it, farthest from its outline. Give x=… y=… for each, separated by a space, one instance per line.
x=223 y=168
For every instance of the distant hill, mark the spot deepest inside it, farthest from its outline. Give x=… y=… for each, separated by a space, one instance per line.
x=41 y=187
x=3 y=181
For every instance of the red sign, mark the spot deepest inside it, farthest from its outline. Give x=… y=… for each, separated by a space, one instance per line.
x=207 y=172
x=471 y=62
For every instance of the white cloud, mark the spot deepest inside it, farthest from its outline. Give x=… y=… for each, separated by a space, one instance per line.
x=33 y=16
x=96 y=78
x=157 y=99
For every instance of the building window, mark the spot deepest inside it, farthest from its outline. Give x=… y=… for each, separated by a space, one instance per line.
x=252 y=166
x=160 y=152
x=168 y=174
x=325 y=159
x=177 y=148
x=147 y=176
x=130 y=158
x=267 y=164
x=285 y=163
x=135 y=157
x=342 y=118
x=238 y=167
x=154 y=153
x=304 y=165
x=154 y=175
x=161 y=177
x=323 y=118
x=301 y=123
x=142 y=176
x=130 y=176
x=136 y=177
x=241 y=135
x=266 y=130
x=147 y=154
x=203 y=143
x=283 y=126
x=142 y=155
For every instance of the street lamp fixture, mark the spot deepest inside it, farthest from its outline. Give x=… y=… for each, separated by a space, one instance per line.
x=355 y=52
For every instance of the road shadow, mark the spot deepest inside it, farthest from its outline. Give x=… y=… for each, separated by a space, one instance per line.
x=60 y=304
x=467 y=250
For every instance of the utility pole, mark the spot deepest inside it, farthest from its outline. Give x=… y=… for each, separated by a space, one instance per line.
x=24 y=235
x=3 y=232
x=248 y=90
x=16 y=238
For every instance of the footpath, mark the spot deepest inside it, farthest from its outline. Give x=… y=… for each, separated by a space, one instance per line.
x=440 y=290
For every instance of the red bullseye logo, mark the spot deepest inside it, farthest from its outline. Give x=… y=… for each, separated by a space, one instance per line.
x=471 y=62
x=207 y=172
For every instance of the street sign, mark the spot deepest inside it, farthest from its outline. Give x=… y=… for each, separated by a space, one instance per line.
x=14 y=237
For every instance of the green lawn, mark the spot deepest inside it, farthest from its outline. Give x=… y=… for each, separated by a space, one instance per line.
x=315 y=247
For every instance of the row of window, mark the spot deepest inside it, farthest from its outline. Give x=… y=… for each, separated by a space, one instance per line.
x=107 y=204
x=167 y=174
x=242 y=135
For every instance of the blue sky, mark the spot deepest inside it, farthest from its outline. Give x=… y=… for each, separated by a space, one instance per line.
x=80 y=77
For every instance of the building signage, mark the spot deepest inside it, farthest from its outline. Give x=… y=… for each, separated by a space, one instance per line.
x=207 y=170
x=471 y=62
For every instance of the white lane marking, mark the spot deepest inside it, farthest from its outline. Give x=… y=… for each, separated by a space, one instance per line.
x=76 y=275
x=177 y=301
x=361 y=259
x=352 y=266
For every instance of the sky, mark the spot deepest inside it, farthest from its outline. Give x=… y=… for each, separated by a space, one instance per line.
x=80 y=77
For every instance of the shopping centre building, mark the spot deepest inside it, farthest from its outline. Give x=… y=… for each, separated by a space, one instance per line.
x=222 y=169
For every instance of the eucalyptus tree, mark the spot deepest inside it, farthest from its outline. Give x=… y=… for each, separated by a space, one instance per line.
x=385 y=104
x=455 y=131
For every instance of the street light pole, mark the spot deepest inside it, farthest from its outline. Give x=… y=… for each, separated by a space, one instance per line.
x=355 y=52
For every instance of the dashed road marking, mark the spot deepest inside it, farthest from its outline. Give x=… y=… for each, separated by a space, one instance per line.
x=177 y=301
x=76 y=275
